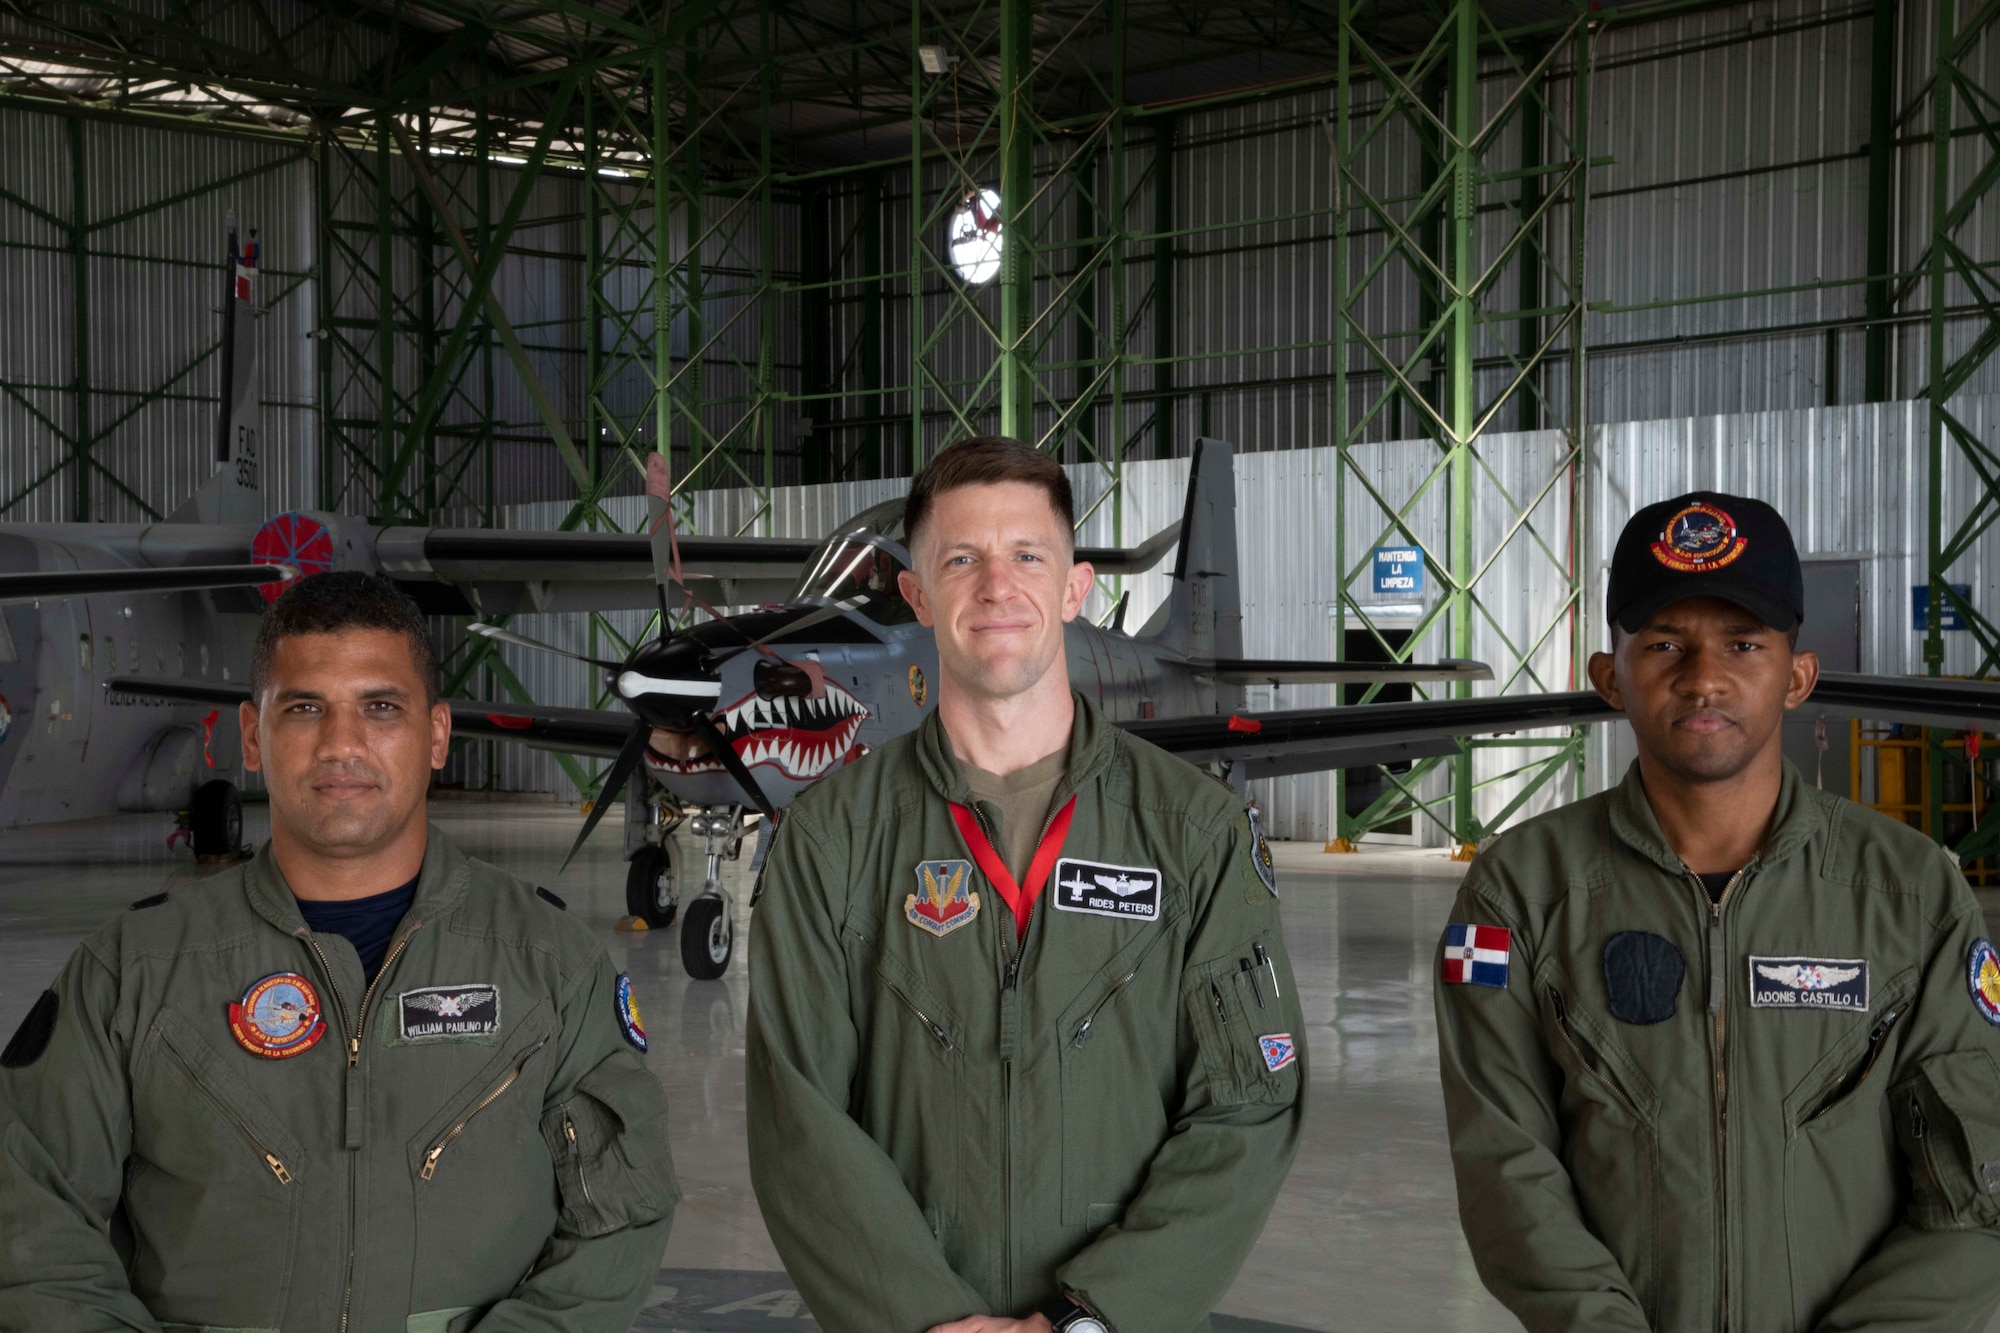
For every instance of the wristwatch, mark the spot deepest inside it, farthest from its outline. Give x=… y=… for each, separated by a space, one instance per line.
x=1068 y=1317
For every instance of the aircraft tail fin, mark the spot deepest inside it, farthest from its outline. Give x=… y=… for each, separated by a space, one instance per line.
x=235 y=493
x=1202 y=617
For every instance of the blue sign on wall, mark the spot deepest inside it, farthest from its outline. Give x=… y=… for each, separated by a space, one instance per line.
x=1920 y=607
x=1399 y=571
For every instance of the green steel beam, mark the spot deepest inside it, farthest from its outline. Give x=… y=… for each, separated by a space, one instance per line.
x=1876 y=387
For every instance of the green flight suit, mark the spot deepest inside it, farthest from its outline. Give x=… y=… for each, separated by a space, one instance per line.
x=944 y=1125
x=1808 y=1140
x=399 y=1176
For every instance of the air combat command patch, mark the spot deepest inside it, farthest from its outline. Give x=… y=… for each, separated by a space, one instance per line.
x=943 y=901
x=278 y=1017
x=1984 y=975
x=628 y=1014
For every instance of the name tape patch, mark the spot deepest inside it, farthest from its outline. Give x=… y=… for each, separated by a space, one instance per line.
x=471 y=1009
x=1132 y=892
x=1279 y=1050
x=1477 y=955
x=1809 y=983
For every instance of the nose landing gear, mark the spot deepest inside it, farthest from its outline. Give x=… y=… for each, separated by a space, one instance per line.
x=708 y=931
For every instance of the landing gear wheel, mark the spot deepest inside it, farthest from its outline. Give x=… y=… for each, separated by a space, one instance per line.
x=708 y=936
x=215 y=820
x=652 y=884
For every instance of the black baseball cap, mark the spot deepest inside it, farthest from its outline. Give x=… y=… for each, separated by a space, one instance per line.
x=1706 y=544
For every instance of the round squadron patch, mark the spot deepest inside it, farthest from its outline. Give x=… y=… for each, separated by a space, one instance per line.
x=1260 y=853
x=1700 y=537
x=628 y=1014
x=1984 y=975
x=920 y=689
x=278 y=1017
x=6 y=717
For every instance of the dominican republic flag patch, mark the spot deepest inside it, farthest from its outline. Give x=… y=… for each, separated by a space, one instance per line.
x=1477 y=955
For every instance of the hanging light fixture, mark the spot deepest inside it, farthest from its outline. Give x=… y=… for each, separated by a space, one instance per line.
x=974 y=239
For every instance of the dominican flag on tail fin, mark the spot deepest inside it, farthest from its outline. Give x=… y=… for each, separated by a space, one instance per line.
x=1477 y=955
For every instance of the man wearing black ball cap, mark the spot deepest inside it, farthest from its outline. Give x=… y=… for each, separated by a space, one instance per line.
x=1720 y=1050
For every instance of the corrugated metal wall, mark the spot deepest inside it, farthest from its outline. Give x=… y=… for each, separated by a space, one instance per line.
x=154 y=203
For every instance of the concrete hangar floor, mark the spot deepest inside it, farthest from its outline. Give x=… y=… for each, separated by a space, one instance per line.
x=1365 y=1235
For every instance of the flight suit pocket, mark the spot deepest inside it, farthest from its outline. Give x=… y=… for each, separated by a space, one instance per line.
x=1948 y=1125
x=1112 y=1057
x=1248 y=1049
x=920 y=1116
x=215 y=1171
x=614 y=1167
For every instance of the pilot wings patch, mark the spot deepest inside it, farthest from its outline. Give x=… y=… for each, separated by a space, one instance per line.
x=1809 y=983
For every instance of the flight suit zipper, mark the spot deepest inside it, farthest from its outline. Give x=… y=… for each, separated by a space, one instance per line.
x=1010 y=981
x=271 y=1161
x=1718 y=991
x=575 y=1156
x=1847 y=1086
x=445 y=1141
x=351 y=1028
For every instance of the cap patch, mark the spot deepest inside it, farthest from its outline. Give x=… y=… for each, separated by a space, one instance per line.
x=943 y=901
x=1477 y=955
x=1809 y=983
x=628 y=1014
x=278 y=1017
x=469 y=1009
x=1699 y=538
x=1278 y=1049
x=1985 y=979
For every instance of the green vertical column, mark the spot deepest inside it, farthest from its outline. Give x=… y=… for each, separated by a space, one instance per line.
x=1940 y=267
x=1338 y=824
x=1163 y=285
x=1881 y=198
x=593 y=290
x=1461 y=408
x=663 y=317
x=79 y=267
x=873 y=461
x=1118 y=232
x=767 y=244
x=693 y=280
x=1581 y=540
x=1528 y=332
x=1017 y=184
x=918 y=390
x=388 y=508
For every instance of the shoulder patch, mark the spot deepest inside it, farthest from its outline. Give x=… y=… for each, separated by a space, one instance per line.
x=1984 y=974
x=551 y=898
x=628 y=1014
x=144 y=903
x=1477 y=955
x=1260 y=853
x=32 y=1037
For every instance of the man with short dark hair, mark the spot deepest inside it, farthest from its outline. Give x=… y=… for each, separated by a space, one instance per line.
x=976 y=1107
x=360 y=1084
x=1720 y=1050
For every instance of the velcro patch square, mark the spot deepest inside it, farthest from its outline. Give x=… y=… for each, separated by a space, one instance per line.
x=1477 y=955
x=1278 y=1049
x=471 y=1009
x=1809 y=983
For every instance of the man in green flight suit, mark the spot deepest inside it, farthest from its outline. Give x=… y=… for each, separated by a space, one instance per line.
x=1720 y=1050
x=359 y=1084
x=1024 y=1049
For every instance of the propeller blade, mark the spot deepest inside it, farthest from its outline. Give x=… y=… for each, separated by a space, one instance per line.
x=614 y=783
x=710 y=737
x=523 y=641
x=819 y=617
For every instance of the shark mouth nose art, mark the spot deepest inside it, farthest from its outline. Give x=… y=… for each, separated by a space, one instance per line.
x=801 y=738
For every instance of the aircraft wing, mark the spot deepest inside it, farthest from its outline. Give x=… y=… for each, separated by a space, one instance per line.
x=36 y=584
x=568 y=730
x=1275 y=671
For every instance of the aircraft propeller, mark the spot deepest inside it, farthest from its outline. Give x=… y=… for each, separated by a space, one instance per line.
x=674 y=682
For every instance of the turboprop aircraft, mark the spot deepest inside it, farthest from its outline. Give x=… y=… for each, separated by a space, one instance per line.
x=724 y=723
